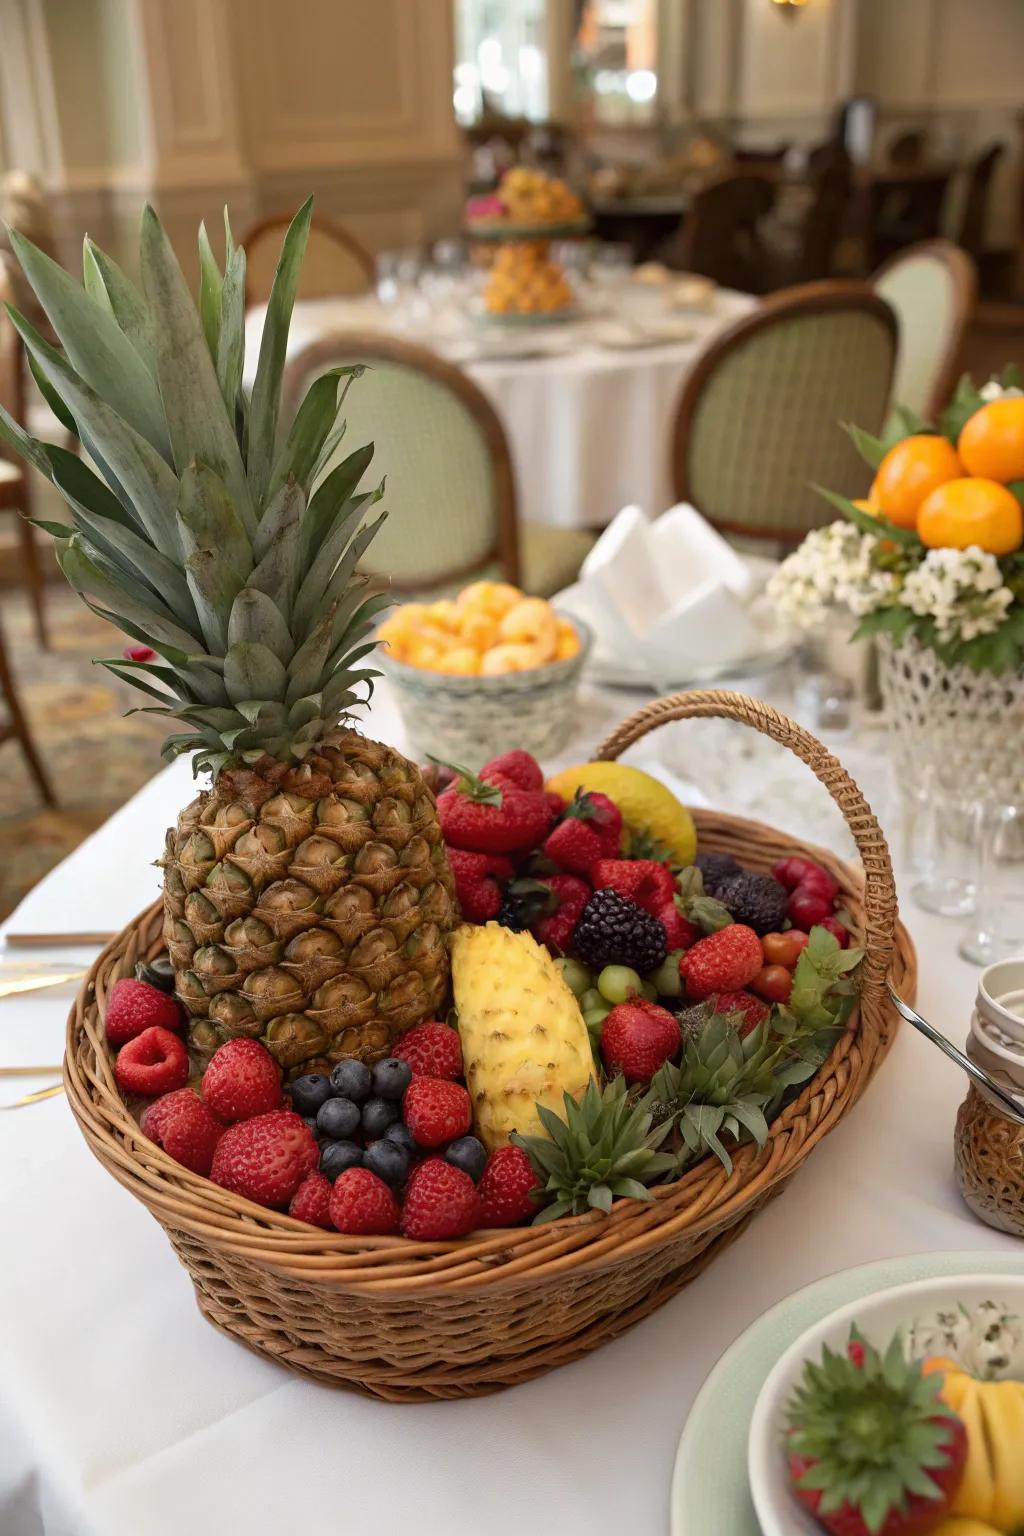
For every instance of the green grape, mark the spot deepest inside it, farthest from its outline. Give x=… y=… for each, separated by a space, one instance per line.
x=575 y=975
x=618 y=983
x=666 y=980
x=591 y=999
x=649 y=991
x=593 y=1018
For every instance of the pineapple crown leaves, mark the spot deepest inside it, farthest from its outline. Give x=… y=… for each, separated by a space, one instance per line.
x=605 y=1148
x=871 y=1424
x=200 y=532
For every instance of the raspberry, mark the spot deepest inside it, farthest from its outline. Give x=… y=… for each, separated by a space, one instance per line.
x=506 y=1189
x=441 y=1202
x=134 y=1006
x=154 y=1062
x=432 y=1050
x=185 y=1127
x=362 y=1204
x=436 y=1111
x=242 y=1080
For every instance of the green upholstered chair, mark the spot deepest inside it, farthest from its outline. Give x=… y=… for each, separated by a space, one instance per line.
x=932 y=287
x=450 y=483
x=758 y=422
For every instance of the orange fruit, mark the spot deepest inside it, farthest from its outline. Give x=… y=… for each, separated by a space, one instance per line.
x=992 y=442
x=909 y=472
x=975 y=511
x=865 y=504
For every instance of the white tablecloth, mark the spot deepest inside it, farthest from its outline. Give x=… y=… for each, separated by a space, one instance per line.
x=122 y=1413
x=588 y=426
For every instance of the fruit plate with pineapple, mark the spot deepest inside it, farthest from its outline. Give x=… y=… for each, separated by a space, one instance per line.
x=422 y=1151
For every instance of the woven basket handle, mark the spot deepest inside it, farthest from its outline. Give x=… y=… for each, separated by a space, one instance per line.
x=879 y=886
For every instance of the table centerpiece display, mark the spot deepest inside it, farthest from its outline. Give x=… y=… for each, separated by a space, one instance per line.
x=525 y=283
x=433 y=1081
x=931 y=565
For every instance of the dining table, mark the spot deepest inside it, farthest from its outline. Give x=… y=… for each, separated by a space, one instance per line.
x=587 y=403
x=123 y=1413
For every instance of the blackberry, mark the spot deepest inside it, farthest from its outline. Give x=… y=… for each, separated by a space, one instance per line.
x=526 y=901
x=612 y=931
x=716 y=867
x=759 y=901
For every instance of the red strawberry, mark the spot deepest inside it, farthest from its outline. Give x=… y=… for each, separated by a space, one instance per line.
x=573 y=845
x=475 y=884
x=637 y=1038
x=837 y=929
x=492 y=815
x=242 y=1080
x=363 y=1205
x=680 y=933
x=432 y=1050
x=606 y=819
x=440 y=1202
x=721 y=962
x=556 y=929
x=436 y=1111
x=644 y=882
x=796 y=871
x=265 y=1158
x=134 y=1006
x=555 y=804
x=506 y=1189
x=154 y=1062
x=185 y=1127
x=518 y=767
x=312 y=1200
x=138 y=653
x=754 y=1011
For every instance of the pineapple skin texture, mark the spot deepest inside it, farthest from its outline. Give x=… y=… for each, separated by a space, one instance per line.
x=307 y=905
x=524 y=1041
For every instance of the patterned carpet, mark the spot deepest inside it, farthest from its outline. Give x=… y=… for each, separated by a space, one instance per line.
x=96 y=757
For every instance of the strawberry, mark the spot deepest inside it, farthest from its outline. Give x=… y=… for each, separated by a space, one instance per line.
x=440 y=1202
x=644 y=882
x=754 y=1011
x=637 y=1038
x=363 y=1205
x=518 y=767
x=680 y=933
x=506 y=1188
x=556 y=929
x=265 y=1158
x=134 y=1006
x=436 y=1111
x=242 y=1080
x=555 y=804
x=476 y=884
x=185 y=1127
x=312 y=1200
x=873 y=1450
x=492 y=815
x=573 y=845
x=154 y=1062
x=138 y=653
x=721 y=962
x=432 y=1050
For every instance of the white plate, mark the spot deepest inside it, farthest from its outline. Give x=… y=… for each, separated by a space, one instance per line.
x=710 y=1489
x=878 y=1318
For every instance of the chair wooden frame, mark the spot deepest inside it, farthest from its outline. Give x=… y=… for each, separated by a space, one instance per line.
x=789 y=303
x=16 y=728
x=16 y=491
x=964 y=275
x=336 y=232
x=374 y=346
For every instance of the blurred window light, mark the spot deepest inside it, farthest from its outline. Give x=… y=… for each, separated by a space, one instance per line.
x=641 y=85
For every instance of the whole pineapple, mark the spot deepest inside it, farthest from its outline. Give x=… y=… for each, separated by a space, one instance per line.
x=523 y=1037
x=307 y=895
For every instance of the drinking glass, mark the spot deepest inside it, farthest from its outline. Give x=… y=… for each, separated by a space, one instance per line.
x=940 y=842
x=997 y=930
x=611 y=262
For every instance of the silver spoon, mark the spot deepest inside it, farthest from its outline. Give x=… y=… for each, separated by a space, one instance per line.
x=1012 y=1107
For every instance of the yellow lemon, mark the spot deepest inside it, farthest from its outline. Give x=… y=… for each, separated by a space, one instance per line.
x=647 y=806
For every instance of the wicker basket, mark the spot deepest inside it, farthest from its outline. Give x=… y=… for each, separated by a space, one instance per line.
x=407 y=1321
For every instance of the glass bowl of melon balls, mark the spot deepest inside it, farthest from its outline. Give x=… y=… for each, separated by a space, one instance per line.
x=482 y=672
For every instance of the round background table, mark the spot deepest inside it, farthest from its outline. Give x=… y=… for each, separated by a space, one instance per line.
x=588 y=422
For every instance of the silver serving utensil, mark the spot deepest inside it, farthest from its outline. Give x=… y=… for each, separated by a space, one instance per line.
x=1012 y=1107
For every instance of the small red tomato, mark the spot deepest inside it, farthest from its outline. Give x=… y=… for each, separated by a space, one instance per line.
x=835 y=926
x=774 y=983
x=807 y=906
x=784 y=948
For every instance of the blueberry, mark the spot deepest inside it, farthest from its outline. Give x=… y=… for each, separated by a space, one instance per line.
x=401 y=1135
x=157 y=973
x=336 y=1156
x=309 y=1092
x=388 y=1161
x=338 y=1119
x=351 y=1079
x=310 y=1120
x=391 y=1078
x=468 y=1154
x=378 y=1114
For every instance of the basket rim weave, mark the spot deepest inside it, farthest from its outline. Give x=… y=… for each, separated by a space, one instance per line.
x=704 y=1199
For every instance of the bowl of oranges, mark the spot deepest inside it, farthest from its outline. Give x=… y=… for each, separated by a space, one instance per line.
x=483 y=672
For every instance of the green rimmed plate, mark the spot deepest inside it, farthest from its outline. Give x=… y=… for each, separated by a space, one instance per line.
x=710 y=1491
